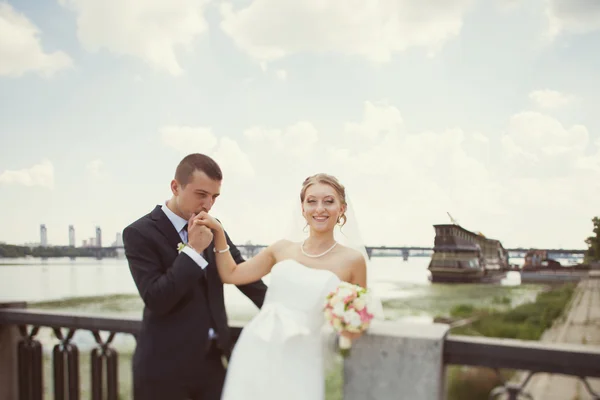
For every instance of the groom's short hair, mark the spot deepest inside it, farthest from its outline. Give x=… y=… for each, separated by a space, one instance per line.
x=197 y=162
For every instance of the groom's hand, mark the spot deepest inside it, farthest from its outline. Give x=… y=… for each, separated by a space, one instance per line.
x=199 y=236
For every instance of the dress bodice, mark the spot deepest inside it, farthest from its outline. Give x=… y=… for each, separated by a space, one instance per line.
x=296 y=296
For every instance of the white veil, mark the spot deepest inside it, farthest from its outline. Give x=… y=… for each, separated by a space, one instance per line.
x=349 y=236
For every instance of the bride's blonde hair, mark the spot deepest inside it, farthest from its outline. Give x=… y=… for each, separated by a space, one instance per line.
x=327 y=180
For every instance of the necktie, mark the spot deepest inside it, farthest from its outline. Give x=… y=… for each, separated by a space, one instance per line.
x=185 y=229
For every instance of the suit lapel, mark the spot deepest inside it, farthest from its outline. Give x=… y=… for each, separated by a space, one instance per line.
x=165 y=227
x=212 y=273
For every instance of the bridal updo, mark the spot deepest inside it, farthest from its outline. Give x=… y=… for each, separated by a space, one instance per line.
x=326 y=180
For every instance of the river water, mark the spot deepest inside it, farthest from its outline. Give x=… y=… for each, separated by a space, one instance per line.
x=403 y=286
x=391 y=278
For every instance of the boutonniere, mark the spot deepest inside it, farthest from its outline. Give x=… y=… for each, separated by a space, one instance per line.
x=180 y=247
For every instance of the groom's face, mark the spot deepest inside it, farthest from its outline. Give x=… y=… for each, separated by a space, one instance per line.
x=198 y=195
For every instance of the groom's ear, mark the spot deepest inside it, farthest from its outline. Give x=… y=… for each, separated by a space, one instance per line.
x=174 y=187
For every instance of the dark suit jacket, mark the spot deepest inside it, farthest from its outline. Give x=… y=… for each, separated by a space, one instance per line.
x=174 y=335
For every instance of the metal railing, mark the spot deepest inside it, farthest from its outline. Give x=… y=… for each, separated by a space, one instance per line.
x=65 y=354
x=535 y=357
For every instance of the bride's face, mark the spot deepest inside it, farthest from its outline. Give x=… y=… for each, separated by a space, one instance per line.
x=321 y=207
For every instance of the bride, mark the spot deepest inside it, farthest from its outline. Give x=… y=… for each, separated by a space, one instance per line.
x=279 y=354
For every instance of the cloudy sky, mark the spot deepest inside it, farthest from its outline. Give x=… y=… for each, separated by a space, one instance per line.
x=480 y=108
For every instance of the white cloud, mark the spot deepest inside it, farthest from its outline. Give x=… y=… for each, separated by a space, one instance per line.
x=373 y=29
x=152 y=30
x=395 y=178
x=380 y=119
x=41 y=174
x=402 y=182
x=95 y=169
x=409 y=180
x=539 y=145
x=20 y=47
x=572 y=16
x=507 y=5
x=480 y=137
x=551 y=99
x=187 y=139
x=297 y=139
x=232 y=159
x=281 y=74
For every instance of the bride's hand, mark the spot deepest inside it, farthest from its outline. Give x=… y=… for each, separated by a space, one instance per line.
x=351 y=335
x=208 y=220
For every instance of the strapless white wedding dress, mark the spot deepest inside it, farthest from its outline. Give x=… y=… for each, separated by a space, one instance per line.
x=279 y=354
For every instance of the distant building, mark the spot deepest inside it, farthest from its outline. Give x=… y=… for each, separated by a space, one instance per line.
x=98 y=237
x=119 y=240
x=71 y=236
x=84 y=243
x=43 y=236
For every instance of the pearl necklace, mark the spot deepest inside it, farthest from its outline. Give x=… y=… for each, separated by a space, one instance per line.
x=318 y=255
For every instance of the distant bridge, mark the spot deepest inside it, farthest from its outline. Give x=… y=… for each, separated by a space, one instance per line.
x=250 y=250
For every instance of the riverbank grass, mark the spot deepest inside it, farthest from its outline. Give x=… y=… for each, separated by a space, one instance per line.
x=527 y=321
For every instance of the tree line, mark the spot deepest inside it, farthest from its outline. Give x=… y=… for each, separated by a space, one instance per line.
x=593 y=251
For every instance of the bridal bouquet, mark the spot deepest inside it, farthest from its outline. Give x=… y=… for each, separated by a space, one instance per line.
x=346 y=309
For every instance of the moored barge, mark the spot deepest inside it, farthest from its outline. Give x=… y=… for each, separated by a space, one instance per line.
x=460 y=255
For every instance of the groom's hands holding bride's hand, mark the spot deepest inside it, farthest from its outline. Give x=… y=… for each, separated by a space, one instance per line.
x=199 y=236
x=206 y=220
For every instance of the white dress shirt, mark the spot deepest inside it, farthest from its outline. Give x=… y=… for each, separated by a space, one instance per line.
x=179 y=223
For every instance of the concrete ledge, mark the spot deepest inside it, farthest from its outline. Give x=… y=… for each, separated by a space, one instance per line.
x=397 y=360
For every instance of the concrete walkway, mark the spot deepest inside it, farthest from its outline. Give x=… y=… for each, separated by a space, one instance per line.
x=581 y=326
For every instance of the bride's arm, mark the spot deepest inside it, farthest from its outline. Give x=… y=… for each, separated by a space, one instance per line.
x=231 y=272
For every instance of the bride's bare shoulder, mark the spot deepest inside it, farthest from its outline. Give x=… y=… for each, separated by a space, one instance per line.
x=283 y=243
x=356 y=264
x=352 y=255
x=281 y=246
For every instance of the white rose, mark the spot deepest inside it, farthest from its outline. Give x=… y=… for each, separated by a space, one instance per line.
x=343 y=293
x=352 y=318
x=338 y=309
x=359 y=304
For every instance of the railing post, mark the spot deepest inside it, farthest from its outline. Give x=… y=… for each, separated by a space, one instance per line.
x=9 y=338
x=397 y=361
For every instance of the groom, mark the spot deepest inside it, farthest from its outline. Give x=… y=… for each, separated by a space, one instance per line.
x=184 y=332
